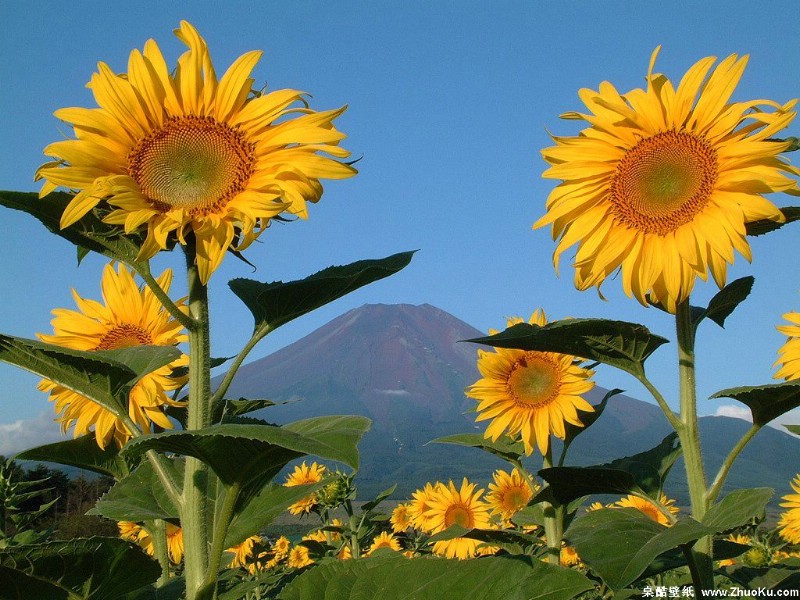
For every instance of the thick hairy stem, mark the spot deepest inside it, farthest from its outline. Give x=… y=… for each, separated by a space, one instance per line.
x=689 y=435
x=194 y=516
x=221 y=523
x=553 y=520
x=158 y=534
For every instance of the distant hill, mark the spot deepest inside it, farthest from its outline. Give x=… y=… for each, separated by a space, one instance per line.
x=405 y=368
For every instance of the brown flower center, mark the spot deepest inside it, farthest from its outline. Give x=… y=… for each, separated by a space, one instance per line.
x=124 y=336
x=664 y=181
x=534 y=380
x=460 y=515
x=194 y=163
x=515 y=498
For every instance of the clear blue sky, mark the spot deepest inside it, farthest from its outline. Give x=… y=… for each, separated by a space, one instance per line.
x=450 y=103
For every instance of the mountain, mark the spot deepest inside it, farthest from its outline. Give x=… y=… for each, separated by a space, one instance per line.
x=405 y=368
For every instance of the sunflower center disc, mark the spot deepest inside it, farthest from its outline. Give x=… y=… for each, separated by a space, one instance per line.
x=664 y=181
x=534 y=380
x=194 y=163
x=459 y=515
x=515 y=499
x=124 y=336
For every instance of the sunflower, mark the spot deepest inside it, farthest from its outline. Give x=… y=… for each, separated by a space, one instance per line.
x=529 y=394
x=648 y=508
x=789 y=354
x=568 y=557
x=303 y=475
x=463 y=507
x=663 y=181
x=420 y=504
x=789 y=523
x=401 y=519
x=130 y=316
x=384 y=540
x=137 y=534
x=243 y=552
x=299 y=557
x=181 y=151
x=509 y=493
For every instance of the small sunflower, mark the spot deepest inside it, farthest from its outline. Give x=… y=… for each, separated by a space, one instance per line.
x=186 y=153
x=137 y=534
x=401 y=519
x=299 y=557
x=244 y=552
x=457 y=506
x=509 y=493
x=384 y=540
x=130 y=316
x=648 y=508
x=420 y=504
x=663 y=181
x=303 y=475
x=789 y=353
x=789 y=524
x=344 y=553
x=530 y=394
x=568 y=557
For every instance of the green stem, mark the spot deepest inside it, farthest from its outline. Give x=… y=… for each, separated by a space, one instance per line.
x=689 y=435
x=237 y=362
x=722 y=475
x=553 y=519
x=221 y=523
x=163 y=297
x=194 y=516
x=673 y=419
x=158 y=533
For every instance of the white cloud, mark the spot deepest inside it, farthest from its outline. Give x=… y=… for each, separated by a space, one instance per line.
x=734 y=411
x=23 y=434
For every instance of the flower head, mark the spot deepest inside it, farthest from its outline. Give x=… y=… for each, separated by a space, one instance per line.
x=400 y=519
x=789 y=524
x=420 y=504
x=243 y=553
x=299 y=557
x=384 y=540
x=182 y=152
x=663 y=181
x=649 y=508
x=457 y=506
x=129 y=316
x=530 y=394
x=303 y=475
x=789 y=353
x=509 y=493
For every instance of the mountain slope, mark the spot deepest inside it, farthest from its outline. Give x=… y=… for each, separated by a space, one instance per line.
x=404 y=367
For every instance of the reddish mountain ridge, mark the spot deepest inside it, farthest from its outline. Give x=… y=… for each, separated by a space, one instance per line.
x=404 y=367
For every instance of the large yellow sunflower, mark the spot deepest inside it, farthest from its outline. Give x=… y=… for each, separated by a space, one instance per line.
x=530 y=394
x=789 y=353
x=182 y=151
x=509 y=493
x=130 y=316
x=789 y=524
x=663 y=181
x=457 y=506
x=302 y=475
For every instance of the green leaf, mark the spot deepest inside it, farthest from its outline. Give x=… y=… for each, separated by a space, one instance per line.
x=139 y=496
x=82 y=452
x=90 y=233
x=587 y=418
x=396 y=578
x=766 y=402
x=261 y=509
x=78 y=569
x=368 y=506
x=768 y=578
x=277 y=303
x=791 y=213
x=724 y=302
x=737 y=509
x=105 y=377
x=242 y=406
x=619 y=544
x=642 y=473
x=504 y=447
x=616 y=343
x=242 y=453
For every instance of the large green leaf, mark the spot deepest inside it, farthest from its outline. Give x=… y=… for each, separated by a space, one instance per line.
x=240 y=453
x=82 y=452
x=765 y=578
x=139 y=496
x=261 y=509
x=396 y=578
x=616 y=343
x=737 y=508
x=724 y=302
x=106 y=377
x=642 y=473
x=90 y=233
x=619 y=544
x=78 y=569
x=766 y=402
x=504 y=447
x=790 y=213
x=274 y=304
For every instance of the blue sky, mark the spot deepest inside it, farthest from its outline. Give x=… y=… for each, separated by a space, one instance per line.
x=449 y=106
